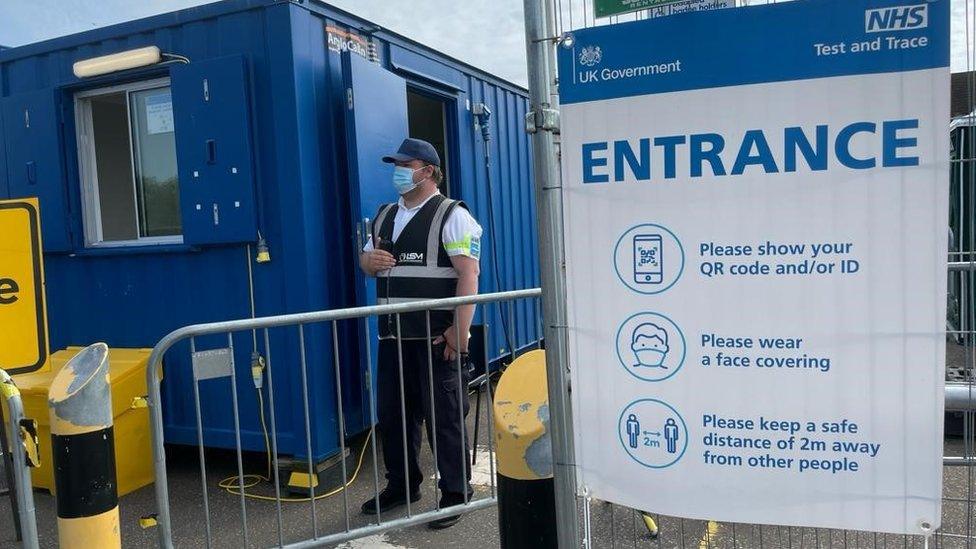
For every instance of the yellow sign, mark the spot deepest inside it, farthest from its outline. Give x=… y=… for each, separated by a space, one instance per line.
x=23 y=319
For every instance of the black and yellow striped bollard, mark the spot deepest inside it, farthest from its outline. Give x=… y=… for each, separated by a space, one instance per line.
x=526 y=502
x=83 y=446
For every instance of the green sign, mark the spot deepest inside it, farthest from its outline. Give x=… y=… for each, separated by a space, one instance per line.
x=606 y=8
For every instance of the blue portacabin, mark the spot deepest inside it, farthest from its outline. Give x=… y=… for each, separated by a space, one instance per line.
x=263 y=124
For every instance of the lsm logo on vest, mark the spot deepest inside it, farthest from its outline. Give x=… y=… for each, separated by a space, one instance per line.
x=411 y=258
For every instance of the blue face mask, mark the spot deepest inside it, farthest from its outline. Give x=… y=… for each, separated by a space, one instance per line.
x=403 y=179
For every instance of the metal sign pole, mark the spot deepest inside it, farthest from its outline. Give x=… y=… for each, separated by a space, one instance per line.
x=541 y=122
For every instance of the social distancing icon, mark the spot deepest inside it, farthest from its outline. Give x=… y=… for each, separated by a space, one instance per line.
x=653 y=433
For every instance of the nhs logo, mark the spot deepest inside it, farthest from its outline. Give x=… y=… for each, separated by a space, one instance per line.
x=896 y=18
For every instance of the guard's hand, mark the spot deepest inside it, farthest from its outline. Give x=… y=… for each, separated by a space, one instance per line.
x=379 y=260
x=452 y=345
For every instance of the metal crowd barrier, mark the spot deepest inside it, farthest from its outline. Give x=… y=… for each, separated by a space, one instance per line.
x=163 y=518
x=605 y=524
x=18 y=429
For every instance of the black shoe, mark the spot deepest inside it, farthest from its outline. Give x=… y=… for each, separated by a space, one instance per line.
x=390 y=498
x=449 y=499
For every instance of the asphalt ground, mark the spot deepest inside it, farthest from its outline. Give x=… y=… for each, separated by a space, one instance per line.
x=476 y=529
x=611 y=526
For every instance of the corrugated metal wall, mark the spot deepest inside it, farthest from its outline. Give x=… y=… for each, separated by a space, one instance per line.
x=131 y=298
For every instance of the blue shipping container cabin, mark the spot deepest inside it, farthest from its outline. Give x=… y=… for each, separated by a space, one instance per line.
x=155 y=182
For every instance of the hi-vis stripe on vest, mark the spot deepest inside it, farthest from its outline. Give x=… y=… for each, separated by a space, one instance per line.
x=423 y=270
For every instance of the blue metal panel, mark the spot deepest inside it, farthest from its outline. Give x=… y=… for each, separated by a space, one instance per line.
x=316 y=266
x=131 y=300
x=411 y=62
x=513 y=234
x=213 y=148
x=33 y=133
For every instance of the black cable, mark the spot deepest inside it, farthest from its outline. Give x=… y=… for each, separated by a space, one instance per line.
x=382 y=244
x=486 y=139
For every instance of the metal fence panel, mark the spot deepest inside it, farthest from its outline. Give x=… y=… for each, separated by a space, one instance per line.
x=217 y=366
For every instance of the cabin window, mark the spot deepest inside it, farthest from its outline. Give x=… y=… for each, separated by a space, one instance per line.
x=127 y=160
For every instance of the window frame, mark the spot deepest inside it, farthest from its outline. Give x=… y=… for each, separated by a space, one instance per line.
x=88 y=172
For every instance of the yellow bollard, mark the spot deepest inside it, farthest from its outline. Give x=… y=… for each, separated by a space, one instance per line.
x=83 y=445
x=526 y=504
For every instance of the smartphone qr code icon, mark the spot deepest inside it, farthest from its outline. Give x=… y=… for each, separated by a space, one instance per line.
x=648 y=260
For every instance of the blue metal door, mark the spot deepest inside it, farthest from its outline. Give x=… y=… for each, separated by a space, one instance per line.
x=32 y=131
x=376 y=123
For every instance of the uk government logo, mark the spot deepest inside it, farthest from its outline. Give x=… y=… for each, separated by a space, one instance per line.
x=590 y=56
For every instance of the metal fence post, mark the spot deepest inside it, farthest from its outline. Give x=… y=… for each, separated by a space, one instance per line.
x=8 y=467
x=541 y=123
x=22 y=475
x=161 y=483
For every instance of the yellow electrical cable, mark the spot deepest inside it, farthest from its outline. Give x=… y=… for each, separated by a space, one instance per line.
x=232 y=486
x=264 y=429
x=253 y=480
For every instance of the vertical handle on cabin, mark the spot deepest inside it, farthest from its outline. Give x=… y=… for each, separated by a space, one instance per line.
x=83 y=447
x=362 y=234
x=31 y=172
x=211 y=151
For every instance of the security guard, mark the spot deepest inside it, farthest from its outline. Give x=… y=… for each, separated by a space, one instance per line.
x=426 y=246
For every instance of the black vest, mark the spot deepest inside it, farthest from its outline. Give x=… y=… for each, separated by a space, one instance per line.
x=423 y=269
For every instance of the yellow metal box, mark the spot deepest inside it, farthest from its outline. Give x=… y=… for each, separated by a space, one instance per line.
x=133 y=448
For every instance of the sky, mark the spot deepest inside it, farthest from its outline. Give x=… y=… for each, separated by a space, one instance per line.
x=488 y=34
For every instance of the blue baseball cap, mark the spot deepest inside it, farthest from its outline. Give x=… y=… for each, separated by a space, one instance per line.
x=414 y=149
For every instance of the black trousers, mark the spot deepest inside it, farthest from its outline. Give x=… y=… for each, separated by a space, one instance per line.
x=449 y=404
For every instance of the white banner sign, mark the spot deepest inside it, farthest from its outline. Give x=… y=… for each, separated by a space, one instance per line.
x=756 y=204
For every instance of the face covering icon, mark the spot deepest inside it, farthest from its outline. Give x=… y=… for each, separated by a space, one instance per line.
x=403 y=179
x=649 y=343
